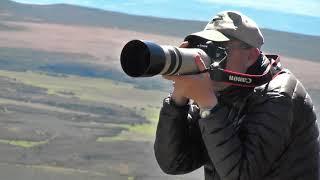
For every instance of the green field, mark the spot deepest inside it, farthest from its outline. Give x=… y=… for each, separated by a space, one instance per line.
x=143 y=102
x=24 y=144
x=92 y=89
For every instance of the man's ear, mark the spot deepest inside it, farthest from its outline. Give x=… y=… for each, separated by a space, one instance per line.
x=253 y=56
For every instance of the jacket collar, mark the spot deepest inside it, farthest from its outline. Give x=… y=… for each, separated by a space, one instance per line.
x=234 y=93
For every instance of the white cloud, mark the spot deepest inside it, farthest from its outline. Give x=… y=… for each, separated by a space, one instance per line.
x=302 y=7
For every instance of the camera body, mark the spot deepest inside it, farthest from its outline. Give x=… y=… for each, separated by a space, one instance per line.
x=146 y=59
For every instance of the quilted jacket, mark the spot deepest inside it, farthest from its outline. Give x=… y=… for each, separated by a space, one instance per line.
x=264 y=133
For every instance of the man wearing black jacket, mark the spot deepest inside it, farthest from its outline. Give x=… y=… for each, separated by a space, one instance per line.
x=235 y=131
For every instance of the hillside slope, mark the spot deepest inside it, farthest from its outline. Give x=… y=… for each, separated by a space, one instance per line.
x=288 y=44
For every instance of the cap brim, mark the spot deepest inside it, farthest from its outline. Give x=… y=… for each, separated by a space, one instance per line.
x=212 y=35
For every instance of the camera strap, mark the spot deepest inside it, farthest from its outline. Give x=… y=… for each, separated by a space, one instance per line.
x=245 y=80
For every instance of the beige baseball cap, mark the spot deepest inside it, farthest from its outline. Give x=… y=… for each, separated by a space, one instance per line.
x=231 y=24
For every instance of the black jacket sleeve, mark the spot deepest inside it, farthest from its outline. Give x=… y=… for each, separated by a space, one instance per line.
x=246 y=149
x=178 y=145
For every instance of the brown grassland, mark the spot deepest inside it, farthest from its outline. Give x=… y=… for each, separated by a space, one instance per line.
x=78 y=127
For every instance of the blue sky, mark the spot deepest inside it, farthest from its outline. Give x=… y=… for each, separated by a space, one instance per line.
x=285 y=15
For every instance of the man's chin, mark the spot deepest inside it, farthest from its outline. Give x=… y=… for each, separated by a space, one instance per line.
x=219 y=86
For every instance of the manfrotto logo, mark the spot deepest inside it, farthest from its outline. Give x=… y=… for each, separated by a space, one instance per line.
x=240 y=79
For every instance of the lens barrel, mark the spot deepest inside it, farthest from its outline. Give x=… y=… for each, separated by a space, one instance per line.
x=145 y=59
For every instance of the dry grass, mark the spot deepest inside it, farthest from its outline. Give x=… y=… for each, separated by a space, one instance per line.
x=103 y=43
x=106 y=44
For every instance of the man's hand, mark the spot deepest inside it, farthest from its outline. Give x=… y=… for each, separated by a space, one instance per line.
x=197 y=87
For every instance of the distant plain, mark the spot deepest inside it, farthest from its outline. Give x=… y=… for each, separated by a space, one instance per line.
x=67 y=111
